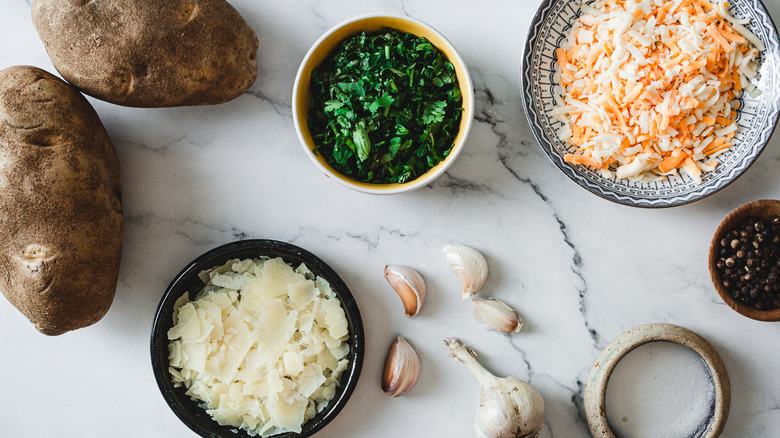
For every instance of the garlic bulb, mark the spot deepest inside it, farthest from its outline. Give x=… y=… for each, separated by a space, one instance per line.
x=409 y=285
x=497 y=314
x=508 y=407
x=402 y=368
x=469 y=265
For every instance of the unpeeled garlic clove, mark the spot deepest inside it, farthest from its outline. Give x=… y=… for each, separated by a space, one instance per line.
x=409 y=285
x=497 y=314
x=402 y=368
x=469 y=265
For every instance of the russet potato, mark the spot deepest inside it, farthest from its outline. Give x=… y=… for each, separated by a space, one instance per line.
x=61 y=224
x=150 y=53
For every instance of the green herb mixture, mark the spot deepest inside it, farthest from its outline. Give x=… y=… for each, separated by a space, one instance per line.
x=385 y=107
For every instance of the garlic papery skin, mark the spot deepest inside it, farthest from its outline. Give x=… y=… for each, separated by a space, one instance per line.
x=508 y=407
x=402 y=368
x=469 y=265
x=497 y=314
x=409 y=285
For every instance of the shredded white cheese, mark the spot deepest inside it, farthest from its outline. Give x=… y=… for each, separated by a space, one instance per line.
x=646 y=84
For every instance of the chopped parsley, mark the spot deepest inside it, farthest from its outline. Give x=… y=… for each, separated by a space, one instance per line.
x=385 y=107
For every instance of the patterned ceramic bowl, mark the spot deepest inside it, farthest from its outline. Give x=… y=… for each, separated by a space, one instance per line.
x=757 y=116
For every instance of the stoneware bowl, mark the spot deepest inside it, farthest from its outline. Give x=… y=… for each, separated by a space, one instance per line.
x=188 y=410
x=596 y=386
x=757 y=116
x=374 y=23
x=765 y=209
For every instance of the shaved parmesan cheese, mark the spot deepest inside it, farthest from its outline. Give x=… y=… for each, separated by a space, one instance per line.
x=293 y=363
x=335 y=319
x=262 y=347
x=302 y=294
x=188 y=327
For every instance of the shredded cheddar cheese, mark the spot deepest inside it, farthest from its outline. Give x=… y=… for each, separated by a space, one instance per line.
x=649 y=86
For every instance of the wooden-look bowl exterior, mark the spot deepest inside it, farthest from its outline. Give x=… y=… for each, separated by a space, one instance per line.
x=764 y=208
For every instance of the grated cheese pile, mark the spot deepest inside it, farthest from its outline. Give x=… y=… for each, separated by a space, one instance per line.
x=648 y=86
x=262 y=347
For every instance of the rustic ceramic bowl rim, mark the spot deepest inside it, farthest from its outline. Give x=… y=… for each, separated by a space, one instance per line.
x=466 y=88
x=736 y=215
x=596 y=386
x=187 y=410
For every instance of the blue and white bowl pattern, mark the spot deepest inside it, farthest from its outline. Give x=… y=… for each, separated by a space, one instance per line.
x=756 y=117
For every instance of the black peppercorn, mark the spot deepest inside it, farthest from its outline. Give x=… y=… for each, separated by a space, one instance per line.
x=749 y=262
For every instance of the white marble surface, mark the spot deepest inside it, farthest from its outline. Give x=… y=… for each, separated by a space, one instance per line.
x=579 y=269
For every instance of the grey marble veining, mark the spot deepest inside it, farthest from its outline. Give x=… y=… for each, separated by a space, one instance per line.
x=578 y=269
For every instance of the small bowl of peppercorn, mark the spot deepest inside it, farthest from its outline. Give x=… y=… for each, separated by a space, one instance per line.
x=745 y=260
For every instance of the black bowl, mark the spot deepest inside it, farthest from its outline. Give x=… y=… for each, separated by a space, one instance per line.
x=187 y=409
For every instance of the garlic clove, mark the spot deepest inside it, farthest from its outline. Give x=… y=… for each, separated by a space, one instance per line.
x=497 y=314
x=402 y=368
x=469 y=265
x=409 y=285
x=508 y=407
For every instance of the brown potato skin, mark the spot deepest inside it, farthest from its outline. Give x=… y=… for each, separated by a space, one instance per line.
x=150 y=53
x=61 y=224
